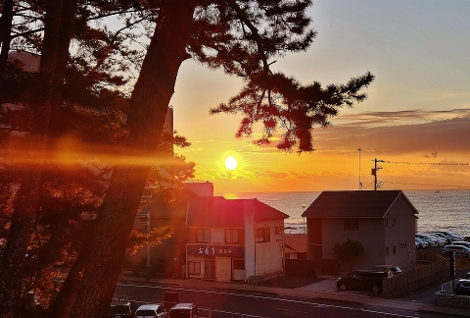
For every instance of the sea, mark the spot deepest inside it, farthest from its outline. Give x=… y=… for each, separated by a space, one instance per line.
x=438 y=210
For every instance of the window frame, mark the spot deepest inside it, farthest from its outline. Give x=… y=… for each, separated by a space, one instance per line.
x=229 y=236
x=203 y=236
x=194 y=268
x=262 y=235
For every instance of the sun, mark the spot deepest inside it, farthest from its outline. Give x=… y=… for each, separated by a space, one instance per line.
x=231 y=163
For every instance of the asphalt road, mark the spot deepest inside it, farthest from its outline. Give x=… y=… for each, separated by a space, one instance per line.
x=233 y=303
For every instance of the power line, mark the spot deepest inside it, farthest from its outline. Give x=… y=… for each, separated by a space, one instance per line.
x=427 y=163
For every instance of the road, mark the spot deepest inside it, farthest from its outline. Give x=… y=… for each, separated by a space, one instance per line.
x=233 y=303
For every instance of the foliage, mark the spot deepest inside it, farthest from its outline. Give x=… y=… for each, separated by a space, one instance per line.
x=348 y=250
x=85 y=119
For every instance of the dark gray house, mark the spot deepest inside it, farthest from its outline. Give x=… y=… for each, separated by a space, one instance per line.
x=384 y=222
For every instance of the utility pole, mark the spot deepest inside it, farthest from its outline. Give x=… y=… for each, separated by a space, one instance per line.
x=374 y=171
x=359 y=166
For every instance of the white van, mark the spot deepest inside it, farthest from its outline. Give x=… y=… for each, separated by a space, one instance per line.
x=151 y=311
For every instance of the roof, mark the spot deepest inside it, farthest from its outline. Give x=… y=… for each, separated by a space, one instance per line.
x=296 y=242
x=219 y=211
x=355 y=204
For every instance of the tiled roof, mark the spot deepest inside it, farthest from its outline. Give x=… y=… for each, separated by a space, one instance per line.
x=354 y=204
x=218 y=211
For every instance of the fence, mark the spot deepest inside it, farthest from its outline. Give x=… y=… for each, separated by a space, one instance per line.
x=433 y=270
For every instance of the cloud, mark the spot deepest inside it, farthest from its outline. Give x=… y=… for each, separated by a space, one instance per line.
x=435 y=132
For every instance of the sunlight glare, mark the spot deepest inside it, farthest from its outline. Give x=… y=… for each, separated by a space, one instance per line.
x=231 y=163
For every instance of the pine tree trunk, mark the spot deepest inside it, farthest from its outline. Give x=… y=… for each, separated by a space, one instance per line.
x=58 y=26
x=6 y=21
x=88 y=290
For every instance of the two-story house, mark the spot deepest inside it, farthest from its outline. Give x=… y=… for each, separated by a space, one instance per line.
x=384 y=222
x=234 y=240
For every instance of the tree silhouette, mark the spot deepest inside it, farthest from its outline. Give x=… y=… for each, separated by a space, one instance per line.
x=240 y=37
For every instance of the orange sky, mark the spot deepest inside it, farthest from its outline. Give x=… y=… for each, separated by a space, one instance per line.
x=418 y=110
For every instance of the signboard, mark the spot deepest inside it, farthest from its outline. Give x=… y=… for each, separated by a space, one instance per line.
x=207 y=250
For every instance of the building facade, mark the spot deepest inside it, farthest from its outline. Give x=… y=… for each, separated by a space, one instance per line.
x=234 y=240
x=384 y=222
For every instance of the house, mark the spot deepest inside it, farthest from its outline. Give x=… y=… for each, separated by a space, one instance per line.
x=168 y=258
x=234 y=240
x=295 y=246
x=382 y=221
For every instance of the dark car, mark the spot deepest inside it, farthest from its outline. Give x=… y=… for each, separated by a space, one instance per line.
x=184 y=310
x=122 y=310
x=462 y=287
x=368 y=280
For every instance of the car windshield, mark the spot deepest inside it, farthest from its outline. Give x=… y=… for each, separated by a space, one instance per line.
x=180 y=314
x=145 y=313
x=119 y=309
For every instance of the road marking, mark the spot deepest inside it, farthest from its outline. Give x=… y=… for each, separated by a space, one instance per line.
x=258 y=296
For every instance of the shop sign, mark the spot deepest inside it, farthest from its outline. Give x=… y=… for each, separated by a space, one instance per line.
x=207 y=250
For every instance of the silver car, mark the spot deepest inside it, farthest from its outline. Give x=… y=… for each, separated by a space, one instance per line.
x=151 y=311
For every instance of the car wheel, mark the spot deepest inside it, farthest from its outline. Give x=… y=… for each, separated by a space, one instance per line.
x=375 y=289
x=342 y=286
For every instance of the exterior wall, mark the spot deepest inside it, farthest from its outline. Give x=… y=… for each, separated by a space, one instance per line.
x=370 y=234
x=399 y=232
x=269 y=255
x=250 y=259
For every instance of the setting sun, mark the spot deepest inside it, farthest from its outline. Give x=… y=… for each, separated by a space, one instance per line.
x=231 y=163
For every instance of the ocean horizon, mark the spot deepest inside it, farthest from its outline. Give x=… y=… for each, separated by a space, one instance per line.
x=438 y=210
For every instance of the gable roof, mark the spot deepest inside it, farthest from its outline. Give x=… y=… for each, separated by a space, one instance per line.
x=218 y=211
x=296 y=242
x=355 y=204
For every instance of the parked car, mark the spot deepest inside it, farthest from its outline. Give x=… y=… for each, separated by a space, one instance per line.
x=462 y=287
x=392 y=268
x=459 y=250
x=429 y=240
x=151 y=311
x=369 y=280
x=448 y=239
x=184 y=310
x=420 y=243
x=122 y=310
x=453 y=236
x=464 y=243
x=441 y=241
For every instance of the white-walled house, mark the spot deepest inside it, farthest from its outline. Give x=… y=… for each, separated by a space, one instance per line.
x=234 y=240
x=384 y=222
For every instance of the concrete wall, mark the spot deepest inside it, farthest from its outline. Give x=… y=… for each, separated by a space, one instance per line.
x=250 y=258
x=370 y=234
x=268 y=255
x=400 y=233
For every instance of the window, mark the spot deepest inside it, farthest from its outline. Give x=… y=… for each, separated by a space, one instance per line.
x=194 y=268
x=387 y=251
x=203 y=235
x=386 y=222
x=278 y=230
x=351 y=225
x=394 y=249
x=262 y=235
x=393 y=221
x=231 y=237
x=238 y=263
